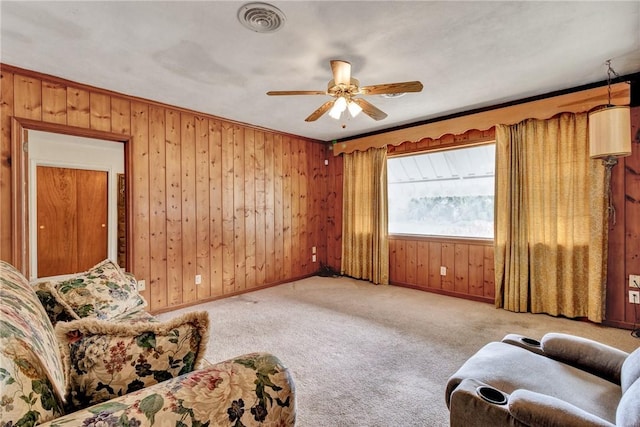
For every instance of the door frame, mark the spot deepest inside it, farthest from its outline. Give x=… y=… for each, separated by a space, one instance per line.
x=20 y=251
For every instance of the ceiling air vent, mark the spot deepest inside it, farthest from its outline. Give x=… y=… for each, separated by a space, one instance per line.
x=261 y=17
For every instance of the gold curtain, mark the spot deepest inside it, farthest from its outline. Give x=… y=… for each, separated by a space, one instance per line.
x=550 y=219
x=365 y=244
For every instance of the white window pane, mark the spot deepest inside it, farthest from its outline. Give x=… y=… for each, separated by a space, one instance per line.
x=445 y=193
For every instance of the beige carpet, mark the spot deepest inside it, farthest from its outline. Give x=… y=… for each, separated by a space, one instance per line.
x=365 y=355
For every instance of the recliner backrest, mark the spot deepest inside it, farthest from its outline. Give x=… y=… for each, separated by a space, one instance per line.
x=630 y=371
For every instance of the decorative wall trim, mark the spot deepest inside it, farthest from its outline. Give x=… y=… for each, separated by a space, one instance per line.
x=540 y=109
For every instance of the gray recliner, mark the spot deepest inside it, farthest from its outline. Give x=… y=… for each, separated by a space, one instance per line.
x=562 y=380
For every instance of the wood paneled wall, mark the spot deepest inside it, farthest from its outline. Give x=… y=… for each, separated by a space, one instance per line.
x=624 y=235
x=238 y=205
x=415 y=261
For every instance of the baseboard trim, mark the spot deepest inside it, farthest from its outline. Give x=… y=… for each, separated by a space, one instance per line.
x=477 y=298
x=232 y=294
x=619 y=324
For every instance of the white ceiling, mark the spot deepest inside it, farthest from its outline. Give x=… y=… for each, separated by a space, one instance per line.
x=198 y=56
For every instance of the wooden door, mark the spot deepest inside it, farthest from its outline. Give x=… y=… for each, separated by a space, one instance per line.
x=72 y=219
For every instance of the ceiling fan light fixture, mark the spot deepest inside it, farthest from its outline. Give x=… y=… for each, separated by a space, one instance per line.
x=354 y=108
x=338 y=107
x=261 y=17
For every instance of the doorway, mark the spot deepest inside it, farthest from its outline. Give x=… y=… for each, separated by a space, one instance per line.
x=73 y=209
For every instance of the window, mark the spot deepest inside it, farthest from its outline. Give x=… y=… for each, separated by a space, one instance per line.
x=443 y=193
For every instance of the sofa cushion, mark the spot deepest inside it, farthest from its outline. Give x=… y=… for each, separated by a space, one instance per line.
x=32 y=381
x=106 y=359
x=103 y=292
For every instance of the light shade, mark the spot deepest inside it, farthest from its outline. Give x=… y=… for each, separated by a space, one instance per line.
x=610 y=132
x=354 y=108
x=338 y=107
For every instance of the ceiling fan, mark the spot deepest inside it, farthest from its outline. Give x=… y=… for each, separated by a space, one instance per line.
x=344 y=89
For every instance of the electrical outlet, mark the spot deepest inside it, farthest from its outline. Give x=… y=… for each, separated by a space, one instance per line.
x=313 y=258
x=142 y=285
x=198 y=279
x=313 y=250
x=443 y=270
x=634 y=297
x=634 y=281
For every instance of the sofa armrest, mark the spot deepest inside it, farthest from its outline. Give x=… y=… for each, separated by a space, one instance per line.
x=535 y=409
x=591 y=356
x=250 y=390
x=467 y=408
x=474 y=403
x=523 y=341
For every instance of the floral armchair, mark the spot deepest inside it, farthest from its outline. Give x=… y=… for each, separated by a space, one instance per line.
x=102 y=364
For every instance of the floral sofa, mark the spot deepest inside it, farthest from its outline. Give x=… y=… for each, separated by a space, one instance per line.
x=84 y=351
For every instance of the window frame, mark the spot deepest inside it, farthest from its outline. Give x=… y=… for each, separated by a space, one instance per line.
x=438 y=237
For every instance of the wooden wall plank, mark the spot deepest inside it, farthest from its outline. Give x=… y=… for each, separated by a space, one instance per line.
x=100 y=111
x=174 y=207
x=287 y=266
x=269 y=201
x=228 y=255
x=78 y=108
x=202 y=191
x=411 y=263
x=6 y=112
x=27 y=97
x=296 y=257
x=188 y=205
x=476 y=270
x=54 y=103
x=157 y=204
x=261 y=232
x=489 y=273
x=239 y=249
x=448 y=260
x=215 y=207
x=249 y=209
x=461 y=268
x=435 y=261
x=121 y=116
x=401 y=265
x=278 y=227
x=140 y=189
x=392 y=260
x=315 y=185
x=304 y=226
x=422 y=267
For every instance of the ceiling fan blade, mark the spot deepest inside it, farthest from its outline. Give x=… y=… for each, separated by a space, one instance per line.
x=297 y=92
x=369 y=109
x=341 y=72
x=320 y=111
x=401 y=87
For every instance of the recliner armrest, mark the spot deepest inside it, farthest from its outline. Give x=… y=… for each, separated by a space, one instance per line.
x=591 y=356
x=535 y=409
